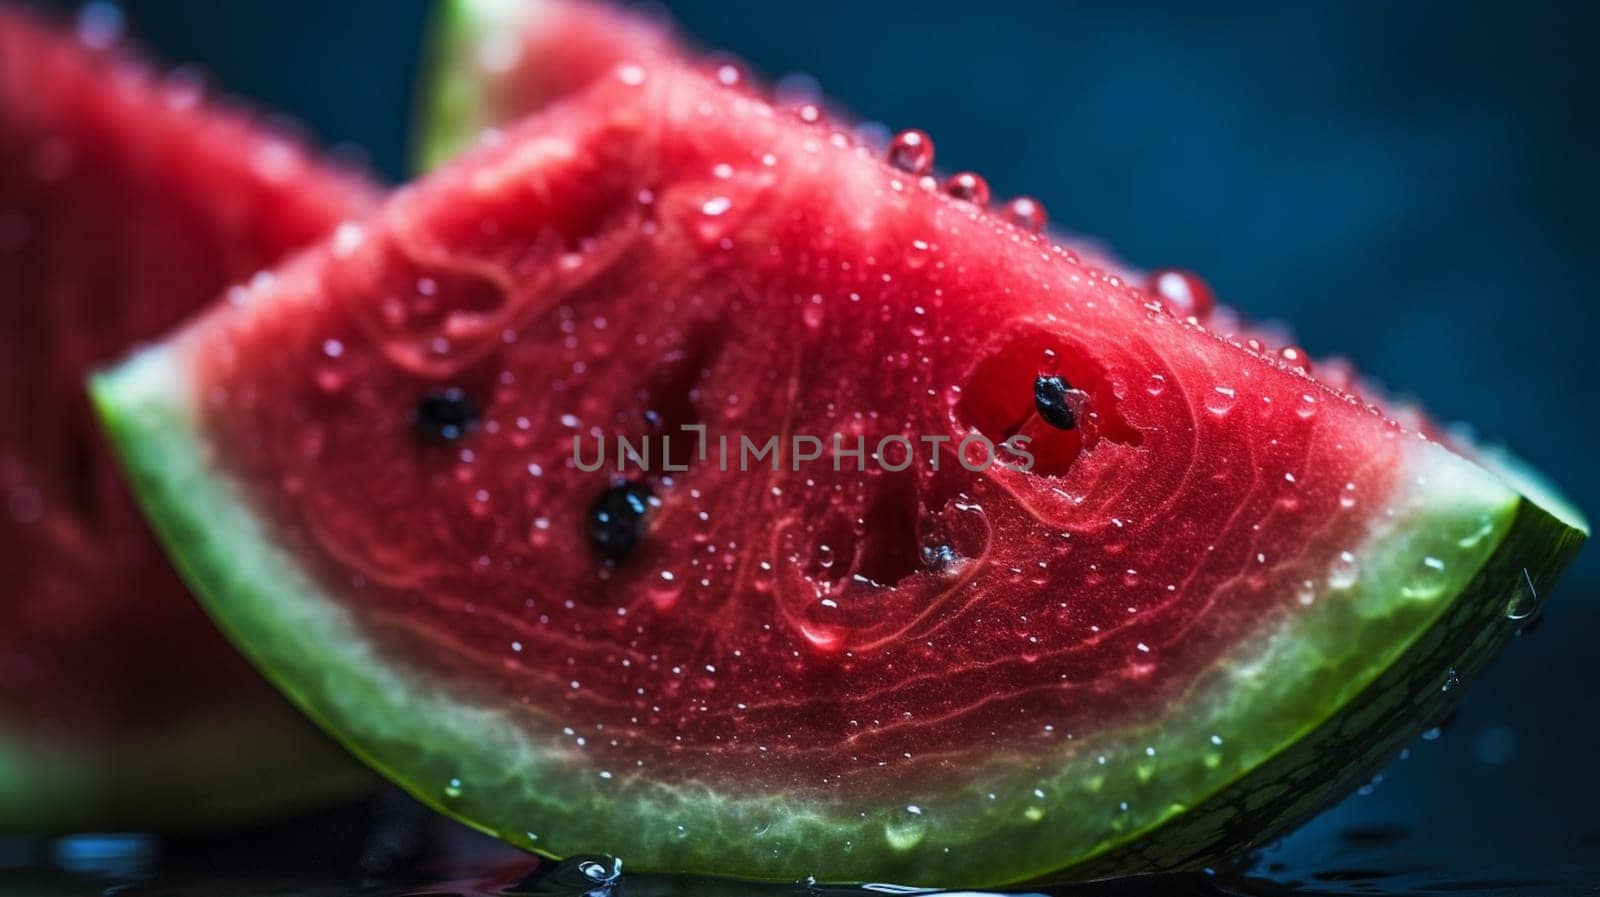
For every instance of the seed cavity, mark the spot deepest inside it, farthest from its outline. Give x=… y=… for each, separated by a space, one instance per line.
x=1050 y=399
x=617 y=519
x=445 y=415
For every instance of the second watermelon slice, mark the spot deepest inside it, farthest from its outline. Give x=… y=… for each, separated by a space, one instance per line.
x=128 y=200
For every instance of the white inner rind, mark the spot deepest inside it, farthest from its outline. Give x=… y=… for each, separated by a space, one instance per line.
x=496 y=767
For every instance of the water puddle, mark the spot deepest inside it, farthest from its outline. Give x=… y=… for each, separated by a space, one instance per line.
x=404 y=853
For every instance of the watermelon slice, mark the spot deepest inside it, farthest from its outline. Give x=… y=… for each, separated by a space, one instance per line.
x=1216 y=594
x=126 y=203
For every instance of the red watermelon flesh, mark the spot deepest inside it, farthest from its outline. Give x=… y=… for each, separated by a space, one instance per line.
x=1212 y=603
x=127 y=201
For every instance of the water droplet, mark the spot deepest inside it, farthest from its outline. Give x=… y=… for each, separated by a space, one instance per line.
x=1296 y=357
x=1220 y=400
x=810 y=113
x=812 y=314
x=1524 y=601
x=1306 y=409
x=1427 y=581
x=824 y=638
x=911 y=151
x=1306 y=594
x=1452 y=679
x=968 y=186
x=1025 y=212
x=1344 y=572
x=1156 y=385
x=939 y=557
x=729 y=75
x=452 y=790
x=906 y=828
x=917 y=254
x=1347 y=497
x=601 y=872
x=347 y=239
x=1184 y=291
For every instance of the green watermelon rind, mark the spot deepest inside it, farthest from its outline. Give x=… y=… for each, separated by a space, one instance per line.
x=1302 y=713
x=451 y=106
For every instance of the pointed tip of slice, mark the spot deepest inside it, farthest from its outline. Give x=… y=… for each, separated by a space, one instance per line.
x=1534 y=486
x=488 y=62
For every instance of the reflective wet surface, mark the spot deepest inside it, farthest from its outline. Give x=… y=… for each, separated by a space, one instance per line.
x=1499 y=800
x=407 y=854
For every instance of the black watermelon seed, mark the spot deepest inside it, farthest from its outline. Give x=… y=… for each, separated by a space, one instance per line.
x=617 y=519
x=1050 y=398
x=444 y=415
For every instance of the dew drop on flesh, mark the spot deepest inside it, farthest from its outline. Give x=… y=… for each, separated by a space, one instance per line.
x=1220 y=400
x=1344 y=572
x=1025 y=212
x=1294 y=356
x=968 y=186
x=938 y=558
x=1185 y=292
x=810 y=113
x=911 y=151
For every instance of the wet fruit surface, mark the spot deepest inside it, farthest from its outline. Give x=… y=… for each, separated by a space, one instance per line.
x=815 y=647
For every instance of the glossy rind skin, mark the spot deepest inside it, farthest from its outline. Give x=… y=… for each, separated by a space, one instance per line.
x=1281 y=722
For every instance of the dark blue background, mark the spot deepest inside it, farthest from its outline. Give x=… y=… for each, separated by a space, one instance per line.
x=1412 y=184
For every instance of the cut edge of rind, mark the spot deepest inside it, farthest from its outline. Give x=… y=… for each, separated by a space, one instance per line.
x=410 y=729
x=1409 y=697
